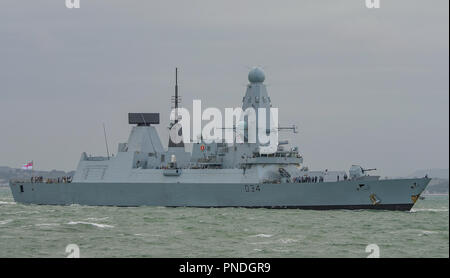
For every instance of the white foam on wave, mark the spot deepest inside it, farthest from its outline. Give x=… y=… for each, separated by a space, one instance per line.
x=7 y=203
x=5 y=221
x=424 y=233
x=287 y=240
x=262 y=242
x=261 y=235
x=430 y=209
x=280 y=250
x=147 y=235
x=93 y=218
x=90 y=223
x=47 y=224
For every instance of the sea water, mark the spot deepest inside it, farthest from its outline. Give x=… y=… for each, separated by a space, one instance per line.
x=46 y=231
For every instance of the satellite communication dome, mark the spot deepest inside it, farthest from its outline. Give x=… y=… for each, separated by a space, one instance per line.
x=256 y=75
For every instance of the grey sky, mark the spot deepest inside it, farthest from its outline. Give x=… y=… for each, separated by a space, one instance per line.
x=366 y=86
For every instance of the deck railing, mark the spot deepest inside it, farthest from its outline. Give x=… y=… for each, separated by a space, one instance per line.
x=41 y=179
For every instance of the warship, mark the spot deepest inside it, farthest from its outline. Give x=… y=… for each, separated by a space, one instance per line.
x=215 y=174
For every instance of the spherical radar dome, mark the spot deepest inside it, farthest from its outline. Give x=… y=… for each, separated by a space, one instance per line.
x=256 y=75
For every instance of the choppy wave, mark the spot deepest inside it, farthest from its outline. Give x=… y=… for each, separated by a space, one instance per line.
x=96 y=219
x=287 y=240
x=47 y=224
x=263 y=242
x=226 y=232
x=430 y=209
x=261 y=235
x=90 y=223
x=424 y=232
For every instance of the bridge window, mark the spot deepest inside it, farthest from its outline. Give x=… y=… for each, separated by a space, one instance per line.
x=21 y=188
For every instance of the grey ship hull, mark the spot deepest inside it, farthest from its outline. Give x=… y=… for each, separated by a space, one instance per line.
x=395 y=194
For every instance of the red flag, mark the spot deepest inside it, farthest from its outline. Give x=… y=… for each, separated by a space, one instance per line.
x=28 y=166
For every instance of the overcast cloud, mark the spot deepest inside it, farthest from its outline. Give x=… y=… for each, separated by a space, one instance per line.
x=366 y=86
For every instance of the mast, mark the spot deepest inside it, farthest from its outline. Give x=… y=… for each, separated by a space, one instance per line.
x=176 y=101
x=176 y=92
